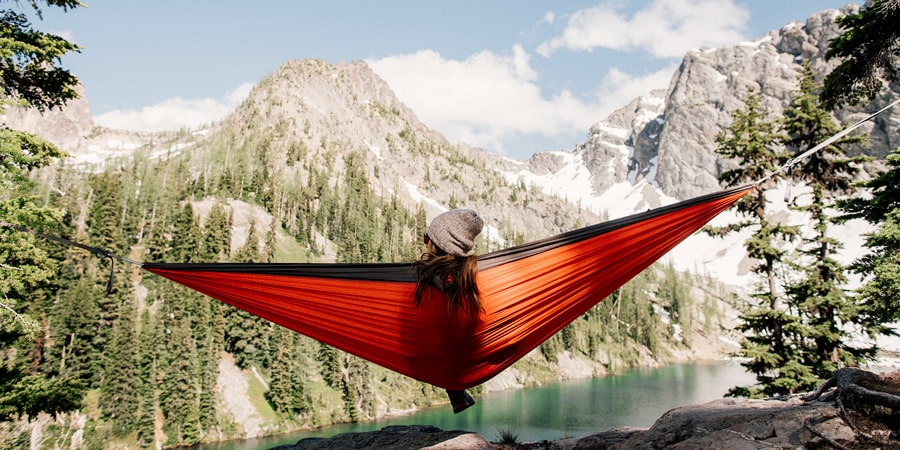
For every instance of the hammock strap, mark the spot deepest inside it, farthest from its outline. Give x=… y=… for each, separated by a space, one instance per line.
x=787 y=166
x=98 y=251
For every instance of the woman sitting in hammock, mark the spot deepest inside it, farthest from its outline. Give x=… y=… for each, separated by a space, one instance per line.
x=450 y=266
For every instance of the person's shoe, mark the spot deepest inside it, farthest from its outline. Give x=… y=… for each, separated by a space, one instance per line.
x=460 y=400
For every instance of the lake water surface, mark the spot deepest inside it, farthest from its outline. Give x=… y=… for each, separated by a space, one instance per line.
x=564 y=409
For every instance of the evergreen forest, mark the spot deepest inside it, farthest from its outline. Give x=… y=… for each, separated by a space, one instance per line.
x=91 y=343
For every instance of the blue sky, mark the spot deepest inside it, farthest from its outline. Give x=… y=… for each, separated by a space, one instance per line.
x=515 y=77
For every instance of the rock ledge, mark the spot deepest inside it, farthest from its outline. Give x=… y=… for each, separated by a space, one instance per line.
x=720 y=424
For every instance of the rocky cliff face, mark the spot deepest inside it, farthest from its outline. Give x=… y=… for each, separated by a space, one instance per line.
x=624 y=148
x=66 y=127
x=667 y=138
x=73 y=130
x=713 y=82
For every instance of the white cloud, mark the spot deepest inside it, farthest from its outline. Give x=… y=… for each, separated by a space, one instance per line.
x=619 y=88
x=484 y=100
x=665 y=28
x=176 y=113
x=238 y=94
x=522 y=63
x=548 y=18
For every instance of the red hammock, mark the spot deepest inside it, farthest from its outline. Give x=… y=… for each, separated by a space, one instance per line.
x=529 y=293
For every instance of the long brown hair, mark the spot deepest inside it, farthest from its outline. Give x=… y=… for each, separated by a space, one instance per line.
x=462 y=293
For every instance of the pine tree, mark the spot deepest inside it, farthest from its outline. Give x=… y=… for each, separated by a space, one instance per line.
x=148 y=341
x=197 y=312
x=754 y=142
x=358 y=395
x=869 y=49
x=119 y=399
x=287 y=392
x=209 y=348
x=105 y=214
x=877 y=298
x=280 y=390
x=331 y=367
x=30 y=77
x=179 y=394
x=186 y=242
x=217 y=234
x=271 y=242
x=818 y=296
x=74 y=321
x=106 y=232
x=676 y=290
x=30 y=74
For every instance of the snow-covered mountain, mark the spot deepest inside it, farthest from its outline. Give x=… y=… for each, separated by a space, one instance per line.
x=654 y=151
x=661 y=147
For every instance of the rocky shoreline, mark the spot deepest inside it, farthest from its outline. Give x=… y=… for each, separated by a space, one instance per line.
x=842 y=421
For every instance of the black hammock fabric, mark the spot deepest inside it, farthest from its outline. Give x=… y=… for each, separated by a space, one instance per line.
x=529 y=292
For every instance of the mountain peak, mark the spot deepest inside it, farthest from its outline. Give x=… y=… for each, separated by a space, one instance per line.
x=312 y=116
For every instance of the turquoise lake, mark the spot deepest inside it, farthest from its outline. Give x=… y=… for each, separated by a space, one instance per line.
x=557 y=410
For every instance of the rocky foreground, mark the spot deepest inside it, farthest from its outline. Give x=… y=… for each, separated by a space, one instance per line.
x=855 y=410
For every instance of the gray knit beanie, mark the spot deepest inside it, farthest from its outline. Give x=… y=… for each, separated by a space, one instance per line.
x=454 y=231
